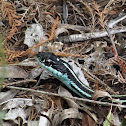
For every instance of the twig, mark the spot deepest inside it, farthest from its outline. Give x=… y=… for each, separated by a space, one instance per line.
x=75 y=27
x=69 y=54
x=100 y=81
x=116 y=20
x=111 y=39
x=121 y=64
x=90 y=10
x=19 y=82
x=74 y=98
x=88 y=36
x=65 y=12
x=74 y=8
x=24 y=99
x=26 y=11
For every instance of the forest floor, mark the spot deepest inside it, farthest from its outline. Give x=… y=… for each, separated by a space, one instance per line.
x=89 y=36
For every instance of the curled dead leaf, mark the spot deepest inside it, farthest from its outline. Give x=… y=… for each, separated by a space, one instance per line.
x=100 y=94
x=62 y=91
x=65 y=114
x=60 y=31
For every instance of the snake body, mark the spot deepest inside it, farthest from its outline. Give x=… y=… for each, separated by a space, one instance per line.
x=63 y=72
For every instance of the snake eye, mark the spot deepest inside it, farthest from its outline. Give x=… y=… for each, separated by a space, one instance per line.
x=48 y=62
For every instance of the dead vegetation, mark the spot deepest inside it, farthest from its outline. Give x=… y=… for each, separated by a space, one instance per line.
x=91 y=33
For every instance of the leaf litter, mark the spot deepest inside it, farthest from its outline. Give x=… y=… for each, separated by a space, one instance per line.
x=90 y=36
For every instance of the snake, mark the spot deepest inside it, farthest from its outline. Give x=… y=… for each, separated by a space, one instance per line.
x=61 y=70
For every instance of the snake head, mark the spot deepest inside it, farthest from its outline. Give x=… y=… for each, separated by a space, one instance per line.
x=47 y=58
x=50 y=60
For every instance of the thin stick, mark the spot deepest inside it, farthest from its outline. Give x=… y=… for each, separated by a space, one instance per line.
x=100 y=81
x=74 y=98
x=116 y=20
x=111 y=39
x=88 y=36
x=19 y=82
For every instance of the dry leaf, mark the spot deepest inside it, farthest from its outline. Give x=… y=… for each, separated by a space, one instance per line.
x=5 y=96
x=13 y=115
x=12 y=71
x=65 y=114
x=87 y=120
x=100 y=94
x=33 y=35
x=72 y=104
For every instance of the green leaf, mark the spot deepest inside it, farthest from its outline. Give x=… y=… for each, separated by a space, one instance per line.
x=108 y=119
x=124 y=122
